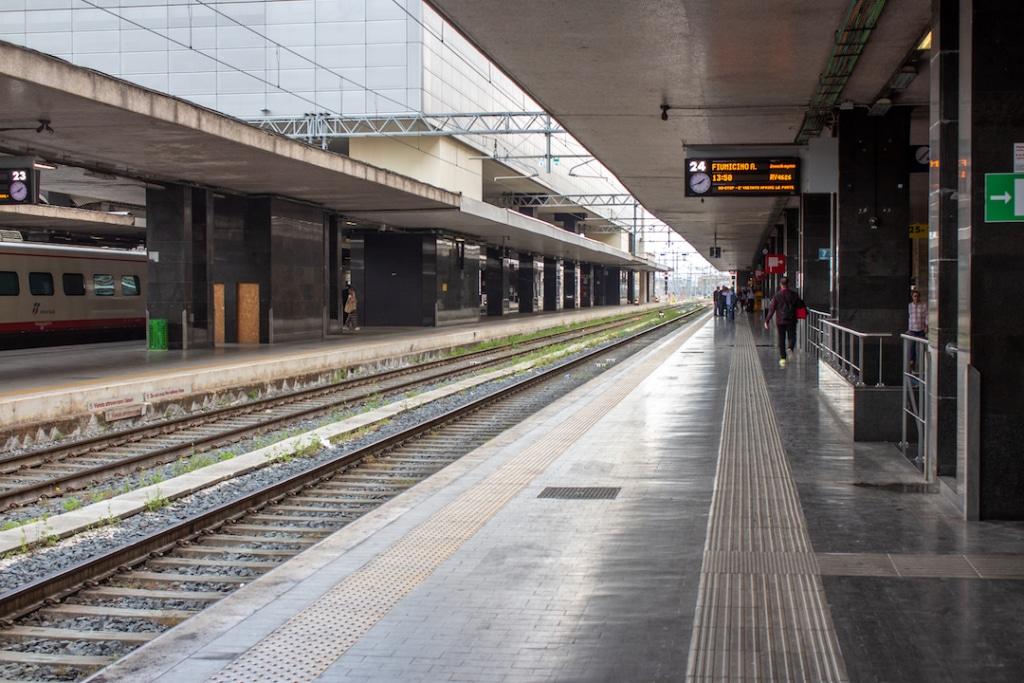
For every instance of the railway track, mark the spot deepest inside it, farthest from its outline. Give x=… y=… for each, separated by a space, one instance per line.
x=68 y=625
x=56 y=471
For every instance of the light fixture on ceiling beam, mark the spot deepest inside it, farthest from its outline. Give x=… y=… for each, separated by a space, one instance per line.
x=903 y=78
x=881 y=107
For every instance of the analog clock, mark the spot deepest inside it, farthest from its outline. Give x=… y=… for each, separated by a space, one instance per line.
x=700 y=183
x=18 y=191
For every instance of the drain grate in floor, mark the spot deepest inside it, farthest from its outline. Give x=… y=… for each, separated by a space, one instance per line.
x=580 y=492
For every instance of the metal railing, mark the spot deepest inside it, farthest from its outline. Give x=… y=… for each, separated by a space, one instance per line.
x=843 y=348
x=916 y=379
x=813 y=333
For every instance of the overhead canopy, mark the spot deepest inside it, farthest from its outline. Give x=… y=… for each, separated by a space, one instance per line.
x=734 y=73
x=112 y=126
x=43 y=217
x=510 y=229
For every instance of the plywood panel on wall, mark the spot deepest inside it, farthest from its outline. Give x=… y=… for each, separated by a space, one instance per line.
x=218 y=313
x=248 y=313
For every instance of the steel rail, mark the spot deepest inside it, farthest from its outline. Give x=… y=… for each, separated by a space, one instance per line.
x=60 y=484
x=47 y=590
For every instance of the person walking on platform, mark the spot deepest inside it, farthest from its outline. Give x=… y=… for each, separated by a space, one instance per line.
x=783 y=306
x=729 y=303
x=349 y=307
x=717 y=296
x=917 y=325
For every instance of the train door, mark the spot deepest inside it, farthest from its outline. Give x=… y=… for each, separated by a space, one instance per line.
x=218 y=314
x=248 y=313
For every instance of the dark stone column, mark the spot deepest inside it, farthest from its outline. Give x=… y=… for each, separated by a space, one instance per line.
x=791 y=218
x=570 y=221
x=571 y=284
x=586 y=285
x=531 y=283
x=942 y=228
x=458 y=275
x=553 y=296
x=991 y=262
x=816 y=234
x=873 y=251
x=169 y=241
x=178 y=274
x=202 y=269
x=494 y=280
x=334 y=283
x=297 y=271
x=389 y=271
x=241 y=253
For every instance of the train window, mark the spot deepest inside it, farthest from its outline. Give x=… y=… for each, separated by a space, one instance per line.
x=130 y=285
x=103 y=285
x=74 y=284
x=40 y=284
x=9 y=283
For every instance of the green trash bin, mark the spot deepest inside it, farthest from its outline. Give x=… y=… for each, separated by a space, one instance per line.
x=157 y=334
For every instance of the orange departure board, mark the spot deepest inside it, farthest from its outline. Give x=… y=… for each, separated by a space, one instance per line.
x=748 y=177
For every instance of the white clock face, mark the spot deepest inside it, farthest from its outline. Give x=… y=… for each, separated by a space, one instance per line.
x=700 y=182
x=18 y=191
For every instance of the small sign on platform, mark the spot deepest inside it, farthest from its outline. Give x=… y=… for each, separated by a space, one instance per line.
x=125 y=412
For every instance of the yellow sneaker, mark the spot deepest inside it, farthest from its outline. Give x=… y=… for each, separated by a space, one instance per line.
x=782 y=362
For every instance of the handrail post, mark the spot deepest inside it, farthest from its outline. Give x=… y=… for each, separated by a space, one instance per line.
x=860 y=361
x=879 y=384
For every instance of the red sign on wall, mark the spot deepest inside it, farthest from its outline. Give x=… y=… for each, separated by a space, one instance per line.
x=775 y=263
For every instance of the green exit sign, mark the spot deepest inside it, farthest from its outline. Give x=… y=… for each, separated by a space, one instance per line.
x=1004 y=197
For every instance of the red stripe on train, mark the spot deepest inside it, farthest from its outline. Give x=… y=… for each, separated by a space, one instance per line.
x=64 y=325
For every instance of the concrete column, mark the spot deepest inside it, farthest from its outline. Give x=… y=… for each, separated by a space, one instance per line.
x=531 y=283
x=990 y=467
x=553 y=292
x=873 y=249
x=816 y=211
x=942 y=228
x=178 y=275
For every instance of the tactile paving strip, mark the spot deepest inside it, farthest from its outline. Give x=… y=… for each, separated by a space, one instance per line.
x=307 y=644
x=761 y=610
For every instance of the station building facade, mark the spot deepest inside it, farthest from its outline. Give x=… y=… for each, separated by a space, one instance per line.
x=263 y=60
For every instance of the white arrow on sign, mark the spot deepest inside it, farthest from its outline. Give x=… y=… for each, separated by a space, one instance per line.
x=1004 y=197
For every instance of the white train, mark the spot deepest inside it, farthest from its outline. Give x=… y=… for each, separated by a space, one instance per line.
x=52 y=294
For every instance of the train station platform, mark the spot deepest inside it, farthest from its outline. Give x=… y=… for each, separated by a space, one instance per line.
x=733 y=532
x=72 y=382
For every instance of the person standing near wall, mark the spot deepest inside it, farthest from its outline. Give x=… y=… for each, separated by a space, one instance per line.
x=783 y=306
x=349 y=307
x=917 y=323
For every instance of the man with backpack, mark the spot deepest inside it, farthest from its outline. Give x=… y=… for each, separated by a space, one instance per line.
x=784 y=306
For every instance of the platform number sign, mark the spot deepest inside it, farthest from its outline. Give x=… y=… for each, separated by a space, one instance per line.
x=17 y=186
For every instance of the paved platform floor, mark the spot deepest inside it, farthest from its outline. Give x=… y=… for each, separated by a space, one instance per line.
x=738 y=547
x=58 y=382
